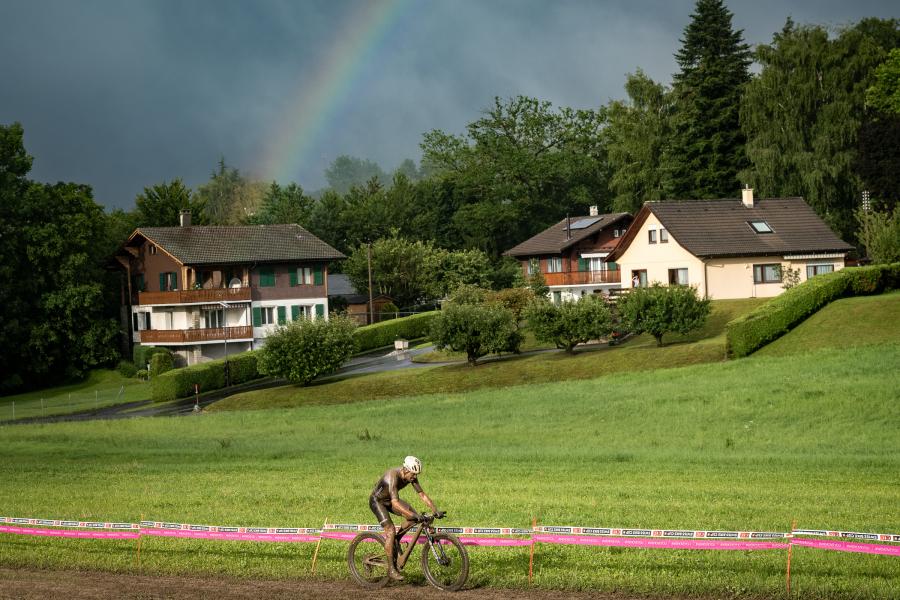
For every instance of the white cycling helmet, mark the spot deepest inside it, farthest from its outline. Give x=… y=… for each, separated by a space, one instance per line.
x=411 y=463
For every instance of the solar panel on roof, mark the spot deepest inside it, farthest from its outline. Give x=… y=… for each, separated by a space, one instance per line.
x=584 y=223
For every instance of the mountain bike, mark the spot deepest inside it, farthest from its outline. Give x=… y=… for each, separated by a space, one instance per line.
x=445 y=561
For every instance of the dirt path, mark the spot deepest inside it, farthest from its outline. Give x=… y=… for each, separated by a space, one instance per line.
x=77 y=585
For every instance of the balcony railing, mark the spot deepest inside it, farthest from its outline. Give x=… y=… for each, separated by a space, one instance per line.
x=187 y=336
x=195 y=296
x=583 y=277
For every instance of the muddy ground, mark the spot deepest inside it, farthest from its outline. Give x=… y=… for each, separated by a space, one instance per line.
x=78 y=585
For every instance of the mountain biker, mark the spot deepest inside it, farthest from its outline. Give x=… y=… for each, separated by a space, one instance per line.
x=385 y=499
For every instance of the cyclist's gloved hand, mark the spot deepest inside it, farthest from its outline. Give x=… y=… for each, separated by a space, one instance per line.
x=418 y=518
x=440 y=514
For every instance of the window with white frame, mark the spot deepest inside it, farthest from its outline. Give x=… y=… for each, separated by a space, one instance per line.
x=617 y=233
x=598 y=264
x=554 y=264
x=813 y=270
x=651 y=236
x=267 y=314
x=304 y=275
x=678 y=276
x=534 y=265
x=214 y=319
x=663 y=236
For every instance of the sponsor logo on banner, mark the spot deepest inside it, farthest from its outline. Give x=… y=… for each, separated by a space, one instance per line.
x=93 y=525
x=678 y=533
x=636 y=532
x=287 y=530
x=485 y=530
x=229 y=529
x=200 y=528
x=597 y=530
x=722 y=534
x=517 y=531
x=557 y=529
x=859 y=536
x=897 y=538
x=450 y=529
x=257 y=530
x=45 y=522
x=122 y=525
x=19 y=520
x=760 y=535
x=170 y=525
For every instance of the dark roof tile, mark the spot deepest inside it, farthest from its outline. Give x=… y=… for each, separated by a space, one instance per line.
x=553 y=240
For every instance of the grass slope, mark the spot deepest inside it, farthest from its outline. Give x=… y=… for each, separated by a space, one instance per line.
x=754 y=443
x=102 y=387
x=639 y=354
x=844 y=323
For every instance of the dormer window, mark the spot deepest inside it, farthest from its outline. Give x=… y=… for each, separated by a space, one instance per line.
x=760 y=226
x=152 y=249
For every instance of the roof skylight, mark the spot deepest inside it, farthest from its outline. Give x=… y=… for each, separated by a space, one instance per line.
x=760 y=226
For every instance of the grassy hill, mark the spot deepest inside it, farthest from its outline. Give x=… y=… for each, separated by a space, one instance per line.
x=844 y=323
x=638 y=354
x=755 y=443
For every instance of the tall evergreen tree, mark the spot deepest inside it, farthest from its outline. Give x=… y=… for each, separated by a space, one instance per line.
x=707 y=147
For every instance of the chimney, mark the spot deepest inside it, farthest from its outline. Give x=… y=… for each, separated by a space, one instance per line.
x=184 y=218
x=747 y=196
x=593 y=211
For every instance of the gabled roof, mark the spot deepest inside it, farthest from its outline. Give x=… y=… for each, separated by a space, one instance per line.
x=721 y=228
x=554 y=240
x=200 y=245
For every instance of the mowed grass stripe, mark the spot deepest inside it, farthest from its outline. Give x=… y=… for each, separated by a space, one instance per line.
x=751 y=444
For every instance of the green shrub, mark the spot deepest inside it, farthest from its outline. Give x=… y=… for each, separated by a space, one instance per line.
x=305 y=349
x=389 y=311
x=570 y=323
x=161 y=362
x=516 y=299
x=476 y=329
x=384 y=333
x=660 y=309
x=143 y=354
x=126 y=368
x=179 y=383
x=776 y=317
x=467 y=293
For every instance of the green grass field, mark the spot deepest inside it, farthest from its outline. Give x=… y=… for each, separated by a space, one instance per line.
x=102 y=387
x=636 y=355
x=755 y=443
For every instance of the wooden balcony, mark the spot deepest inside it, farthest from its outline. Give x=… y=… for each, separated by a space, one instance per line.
x=583 y=277
x=195 y=296
x=188 y=336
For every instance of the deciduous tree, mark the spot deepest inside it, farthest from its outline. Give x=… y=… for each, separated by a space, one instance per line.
x=476 y=329
x=659 y=310
x=570 y=323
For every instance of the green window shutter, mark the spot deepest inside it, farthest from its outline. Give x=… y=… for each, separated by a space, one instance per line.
x=295 y=312
x=174 y=275
x=163 y=279
x=282 y=315
x=257 y=316
x=320 y=310
x=582 y=264
x=613 y=266
x=293 y=277
x=317 y=275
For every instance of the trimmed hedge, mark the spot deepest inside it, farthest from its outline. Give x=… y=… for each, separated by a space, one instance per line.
x=161 y=362
x=142 y=355
x=384 y=333
x=179 y=383
x=776 y=317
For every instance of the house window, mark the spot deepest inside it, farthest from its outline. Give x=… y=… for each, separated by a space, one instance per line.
x=557 y=297
x=267 y=315
x=639 y=278
x=760 y=226
x=554 y=264
x=214 y=319
x=813 y=270
x=651 y=236
x=304 y=275
x=300 y=312
x=663 y=236
x=534 y=266
x=168 y=281
x=767 y=273
x=616 y=233
x=267 y=277
x=152 y=249
x=141 y=321
x=598 y=264
x=678 y=276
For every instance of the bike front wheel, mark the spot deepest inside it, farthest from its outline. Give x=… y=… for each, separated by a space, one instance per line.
x=367 y=560
x=445 y=562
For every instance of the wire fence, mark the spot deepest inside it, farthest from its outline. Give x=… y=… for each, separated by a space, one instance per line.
x=67 y=403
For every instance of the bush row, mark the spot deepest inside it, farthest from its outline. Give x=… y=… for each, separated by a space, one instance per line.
x=384 y=333
x=143 y=354
x=179 y=383
x=777 y=316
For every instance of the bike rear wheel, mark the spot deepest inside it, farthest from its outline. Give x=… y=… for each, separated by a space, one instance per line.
x=445 y=563
x=367 y=560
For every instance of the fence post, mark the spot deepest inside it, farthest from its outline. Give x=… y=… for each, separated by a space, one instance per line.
x=790 y=553
x=319 y=543
x=531 y=558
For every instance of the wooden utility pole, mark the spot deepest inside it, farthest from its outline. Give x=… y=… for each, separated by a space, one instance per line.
x=371 y=304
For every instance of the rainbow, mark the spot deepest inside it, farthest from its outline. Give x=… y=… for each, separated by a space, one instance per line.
x=319 y=98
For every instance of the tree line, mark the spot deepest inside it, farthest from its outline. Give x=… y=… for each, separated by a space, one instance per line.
x=820 y=119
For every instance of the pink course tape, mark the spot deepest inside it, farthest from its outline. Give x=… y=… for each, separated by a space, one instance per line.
x=231 y=535
x=657 y=543
x=104 y=535
x=467 y=541
x=849 y=547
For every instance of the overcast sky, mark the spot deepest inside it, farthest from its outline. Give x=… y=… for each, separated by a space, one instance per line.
x=122 y=94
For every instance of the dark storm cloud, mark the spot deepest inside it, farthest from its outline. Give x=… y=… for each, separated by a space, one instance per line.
x=121 y=95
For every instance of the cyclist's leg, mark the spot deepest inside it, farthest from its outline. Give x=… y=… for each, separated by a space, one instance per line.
x=406 y=522
x=381 y=513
